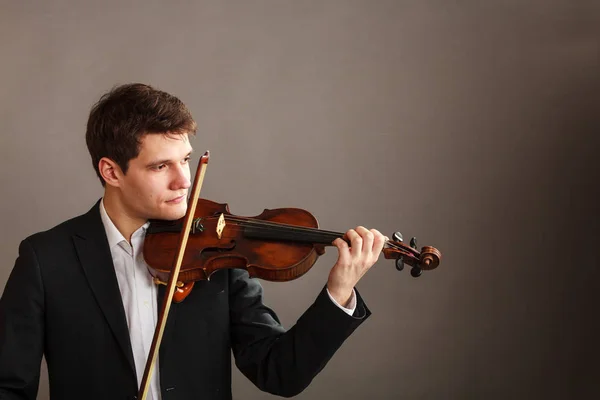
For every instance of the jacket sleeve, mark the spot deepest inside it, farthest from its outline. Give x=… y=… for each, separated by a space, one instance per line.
x=22 y=328
x=278 y=361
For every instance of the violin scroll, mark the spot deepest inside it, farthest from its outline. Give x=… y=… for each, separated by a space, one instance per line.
x=427 y=259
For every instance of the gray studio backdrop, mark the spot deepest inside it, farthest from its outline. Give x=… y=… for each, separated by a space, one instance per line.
x=468 y=124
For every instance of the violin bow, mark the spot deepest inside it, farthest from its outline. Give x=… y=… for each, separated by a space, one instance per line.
x=173 y=277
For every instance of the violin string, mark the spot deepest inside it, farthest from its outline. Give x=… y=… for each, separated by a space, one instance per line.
x=388 y=243
x=314 y=234
x=289 y=232
x=281 y=226
x=284 y=229
x=250 y=221
x=265 y=224
x=268 y=226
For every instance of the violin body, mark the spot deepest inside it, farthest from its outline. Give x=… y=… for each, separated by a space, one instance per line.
x=220 y=240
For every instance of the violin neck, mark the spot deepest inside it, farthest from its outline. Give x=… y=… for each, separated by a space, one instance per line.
x=297 y=235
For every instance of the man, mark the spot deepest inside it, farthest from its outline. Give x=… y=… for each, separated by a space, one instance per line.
x=81 y=293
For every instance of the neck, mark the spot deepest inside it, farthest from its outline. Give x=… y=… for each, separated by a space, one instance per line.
x=125 y=221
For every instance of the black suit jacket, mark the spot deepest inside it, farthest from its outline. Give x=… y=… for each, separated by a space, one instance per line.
x=62 y=300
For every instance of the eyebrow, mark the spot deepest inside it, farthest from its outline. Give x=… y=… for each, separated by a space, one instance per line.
x=159 y=162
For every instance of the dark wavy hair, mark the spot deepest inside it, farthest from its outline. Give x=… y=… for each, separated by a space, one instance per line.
x=121 y=117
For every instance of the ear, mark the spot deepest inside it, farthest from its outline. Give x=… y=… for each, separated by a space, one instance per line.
x=110 y=171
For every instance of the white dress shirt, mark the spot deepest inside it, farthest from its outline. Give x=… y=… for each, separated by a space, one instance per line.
x=139 y=295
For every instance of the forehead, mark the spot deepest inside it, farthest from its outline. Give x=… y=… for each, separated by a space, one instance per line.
x=164 y=145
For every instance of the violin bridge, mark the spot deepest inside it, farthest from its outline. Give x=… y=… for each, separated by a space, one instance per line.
x=220 y=225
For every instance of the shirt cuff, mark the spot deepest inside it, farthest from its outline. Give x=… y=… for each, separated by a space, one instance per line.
x=351 y=303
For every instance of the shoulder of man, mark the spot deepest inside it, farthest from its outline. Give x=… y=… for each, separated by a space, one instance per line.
x=63 y=231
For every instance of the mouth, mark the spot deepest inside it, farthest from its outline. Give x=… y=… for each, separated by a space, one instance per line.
x=176 y=200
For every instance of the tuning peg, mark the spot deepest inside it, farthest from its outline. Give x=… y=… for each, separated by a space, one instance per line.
x=400 y=263
x=397 y=236
x=413 y=242
x=416 y=272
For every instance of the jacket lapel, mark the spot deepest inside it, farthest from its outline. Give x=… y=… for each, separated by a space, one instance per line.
x=94 y=254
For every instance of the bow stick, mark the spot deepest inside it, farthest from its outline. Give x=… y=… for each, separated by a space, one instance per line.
x=183 y=238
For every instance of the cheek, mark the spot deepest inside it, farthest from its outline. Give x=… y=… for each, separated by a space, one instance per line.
x=154 y=190
x=142 y=190
x=148 y=190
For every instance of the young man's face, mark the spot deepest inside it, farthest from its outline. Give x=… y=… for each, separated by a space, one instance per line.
x=157 y=180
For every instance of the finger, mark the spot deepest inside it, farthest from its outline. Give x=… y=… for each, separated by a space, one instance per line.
x=367 y=238
x=355 y=242
x=343 y=251
x=378 y=242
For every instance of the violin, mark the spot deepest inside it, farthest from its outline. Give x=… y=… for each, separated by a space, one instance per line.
x=278 y=245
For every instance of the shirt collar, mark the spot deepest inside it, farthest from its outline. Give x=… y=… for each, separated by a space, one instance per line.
x=112 y=233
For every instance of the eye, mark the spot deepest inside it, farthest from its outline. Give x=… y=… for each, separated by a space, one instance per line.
x=159 y=167
x=187 y=159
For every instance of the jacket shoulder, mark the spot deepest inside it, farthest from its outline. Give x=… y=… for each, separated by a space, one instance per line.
x=61 y=232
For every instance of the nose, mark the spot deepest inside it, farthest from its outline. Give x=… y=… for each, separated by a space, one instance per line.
x=181 y=177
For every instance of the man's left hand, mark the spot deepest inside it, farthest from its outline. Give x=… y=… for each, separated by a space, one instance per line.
x=353 y=261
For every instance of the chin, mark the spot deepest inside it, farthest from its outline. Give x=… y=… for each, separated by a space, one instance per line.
x=173 y=213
